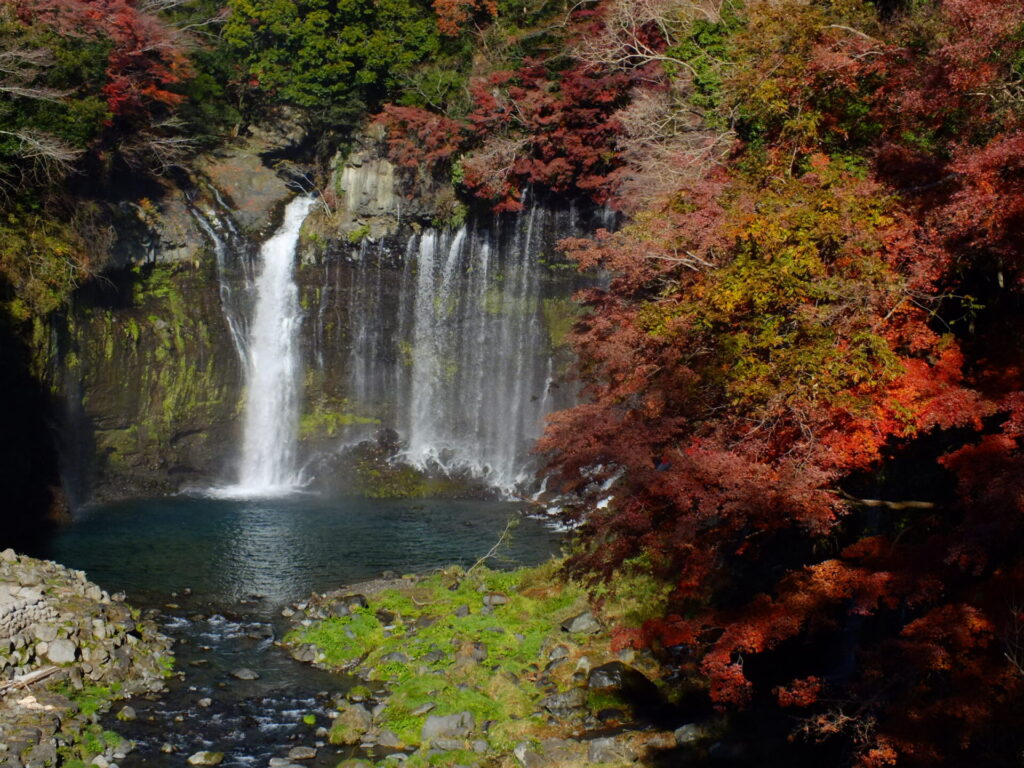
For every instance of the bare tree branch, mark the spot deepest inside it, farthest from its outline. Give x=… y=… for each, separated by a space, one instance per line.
x=52 y=159
x=625 y=40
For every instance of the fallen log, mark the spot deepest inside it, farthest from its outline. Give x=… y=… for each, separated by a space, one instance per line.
x=24 y=681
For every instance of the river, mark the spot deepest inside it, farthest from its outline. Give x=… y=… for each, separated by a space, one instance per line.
x=219 y=572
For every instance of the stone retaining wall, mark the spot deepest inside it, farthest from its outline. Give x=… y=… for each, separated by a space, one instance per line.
x=20 y=608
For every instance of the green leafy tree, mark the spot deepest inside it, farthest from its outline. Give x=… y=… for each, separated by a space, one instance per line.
x=330 y=58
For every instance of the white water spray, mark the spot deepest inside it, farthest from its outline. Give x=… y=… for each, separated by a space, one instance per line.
x=479 y=353
x=273 y=372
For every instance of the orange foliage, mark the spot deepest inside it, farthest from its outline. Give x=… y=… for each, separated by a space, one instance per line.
x=453 y=14
x=148 y=55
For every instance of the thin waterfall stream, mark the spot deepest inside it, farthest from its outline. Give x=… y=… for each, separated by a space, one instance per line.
x=456 y=341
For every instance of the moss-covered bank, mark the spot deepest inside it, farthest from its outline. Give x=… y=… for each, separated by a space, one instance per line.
x=494 y=668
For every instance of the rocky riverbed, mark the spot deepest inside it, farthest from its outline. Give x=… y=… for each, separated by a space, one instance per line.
x=496 y=669
x=68 y=650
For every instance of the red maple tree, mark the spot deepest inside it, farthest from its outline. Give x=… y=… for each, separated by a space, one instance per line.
x=793 y=410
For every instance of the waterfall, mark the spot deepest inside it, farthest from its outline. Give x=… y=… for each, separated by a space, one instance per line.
x=273 y=369
x=481 y=358
x=447 y=343
x=445 y=337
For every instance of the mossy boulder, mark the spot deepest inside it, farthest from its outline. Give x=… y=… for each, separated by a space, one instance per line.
x=352 y=722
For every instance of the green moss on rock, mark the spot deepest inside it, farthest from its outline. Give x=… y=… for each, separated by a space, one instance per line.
x=441 y=646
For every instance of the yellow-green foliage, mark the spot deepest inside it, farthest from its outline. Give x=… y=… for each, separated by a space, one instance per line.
x=633 y=596
x=789 y=313
x=358 y=234
x=81 y=746
x=41 y=261
x=769 y=59
x=560 y=315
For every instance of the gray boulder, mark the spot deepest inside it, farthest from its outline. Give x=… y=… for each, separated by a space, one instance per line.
x=609 y=750
x=352 y=722
x=389 y=739
x=457 y=726
x=45 y=632
x=583 y=624
x=566 y=701
x=62 y=651
x=691 y=733
x=305 y=652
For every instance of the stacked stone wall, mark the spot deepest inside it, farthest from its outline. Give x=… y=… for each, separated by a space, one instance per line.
x=20 y=608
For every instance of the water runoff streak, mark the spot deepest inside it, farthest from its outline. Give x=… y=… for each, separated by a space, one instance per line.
x=267 y=465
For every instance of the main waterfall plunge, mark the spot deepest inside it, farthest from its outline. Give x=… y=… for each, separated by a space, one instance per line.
x=449 y=338
x=273 y=367
x=268 y=344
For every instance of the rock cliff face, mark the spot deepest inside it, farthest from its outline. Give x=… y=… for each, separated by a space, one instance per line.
x=144 y=362
x=397 y=286
x=372 y=198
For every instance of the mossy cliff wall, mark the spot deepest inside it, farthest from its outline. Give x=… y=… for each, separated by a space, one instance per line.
x=151 y=382
x=143 y=366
